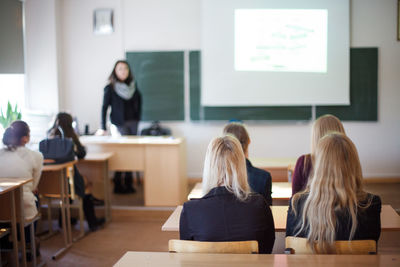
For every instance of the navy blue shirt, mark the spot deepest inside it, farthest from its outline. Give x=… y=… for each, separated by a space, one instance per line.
x=260 y=181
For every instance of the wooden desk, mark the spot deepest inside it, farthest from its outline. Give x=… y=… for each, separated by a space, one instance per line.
x=390 y=220
x=95 y=168
x=54 y=181
x=12 y=188
x=280 y=168
x=133 y=258
x=162 y=159
x=280 y=191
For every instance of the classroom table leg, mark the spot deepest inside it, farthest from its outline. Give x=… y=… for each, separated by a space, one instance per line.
x=22 y=225
x=67 y=207
x=14 y=228
x=107 y=200
x=64 y=215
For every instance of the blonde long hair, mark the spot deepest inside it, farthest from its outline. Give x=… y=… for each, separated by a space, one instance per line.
x=323 y=125
x=336 y=185
x=225 y=165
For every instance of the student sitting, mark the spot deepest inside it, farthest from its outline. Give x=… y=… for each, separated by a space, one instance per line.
x=304 y=165
x=64 y=121
x=228 y=211
x=18 y=161
x=334 y=205
x=259 y=180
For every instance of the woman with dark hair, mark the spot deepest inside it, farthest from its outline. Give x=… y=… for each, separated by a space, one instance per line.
x=18 y=161
x=124 y=98
x=64 y=121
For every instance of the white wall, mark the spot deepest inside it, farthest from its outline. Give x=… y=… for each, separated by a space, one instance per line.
x=86 y=61
x=41 y=55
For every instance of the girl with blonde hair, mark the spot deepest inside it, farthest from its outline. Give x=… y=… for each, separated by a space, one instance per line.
x=334 y=205
x=304 y=165
x=228 y=211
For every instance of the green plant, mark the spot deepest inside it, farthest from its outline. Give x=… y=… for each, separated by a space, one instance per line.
x=10 y=116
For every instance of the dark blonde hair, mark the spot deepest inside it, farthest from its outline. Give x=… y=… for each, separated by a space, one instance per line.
x=225 y=165
x=14 y=133
x=336 y=185
x=239 y=131
x=322 y=126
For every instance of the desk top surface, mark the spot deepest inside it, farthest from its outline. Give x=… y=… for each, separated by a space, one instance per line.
x=97 y=156
x=273 y=162
x=280 y=190
x=9 y=184
x=390 y=220
x=57 y=167
x=133 y=140
x=133 y=258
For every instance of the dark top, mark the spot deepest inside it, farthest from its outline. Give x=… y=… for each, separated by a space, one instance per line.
x=220 y=216
x=301 y=173
x=368 y=220
x=259 y=181
x=80 y=152
x=121 y=110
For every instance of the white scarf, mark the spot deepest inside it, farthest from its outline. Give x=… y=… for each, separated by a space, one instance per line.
x=124 y=91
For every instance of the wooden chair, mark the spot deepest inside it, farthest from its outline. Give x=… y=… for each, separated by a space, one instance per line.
x=298 y=245
x=3 y=233
x=5 y=217
x=51 y=187
x=233 y=247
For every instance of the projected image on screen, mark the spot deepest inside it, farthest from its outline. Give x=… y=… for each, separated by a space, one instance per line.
x=281 y=40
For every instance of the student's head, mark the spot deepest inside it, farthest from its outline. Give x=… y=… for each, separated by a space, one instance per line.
x=64 y=121
x=336 y=185
x=239 y=131
x=225 y=165
x=17 y=134
x=121 y=73
x=322 y=126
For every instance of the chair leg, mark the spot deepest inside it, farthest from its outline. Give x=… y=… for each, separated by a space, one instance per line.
x=49 y=216
x=33 y=244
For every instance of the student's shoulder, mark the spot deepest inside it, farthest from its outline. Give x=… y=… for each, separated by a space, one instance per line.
x=257 y=200
x=374 y=201
x=36 y=155
x=258 y=171
x=302 y=158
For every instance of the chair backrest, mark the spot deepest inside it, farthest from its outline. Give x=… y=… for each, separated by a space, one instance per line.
x=299 y=245
x=234 y=247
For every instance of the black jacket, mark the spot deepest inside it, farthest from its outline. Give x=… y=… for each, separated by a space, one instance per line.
x=259 y=181
x=121 y=110
x=220 y=216
x=368 y=220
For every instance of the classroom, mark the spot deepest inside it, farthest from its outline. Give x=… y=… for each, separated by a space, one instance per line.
x=56 y=57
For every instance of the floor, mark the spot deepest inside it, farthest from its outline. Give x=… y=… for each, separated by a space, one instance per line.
x=139 y=229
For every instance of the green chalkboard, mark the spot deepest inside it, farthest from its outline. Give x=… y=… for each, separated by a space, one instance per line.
x=363 y=88
x=363 y=95
x=198 y=112
x=160 y=79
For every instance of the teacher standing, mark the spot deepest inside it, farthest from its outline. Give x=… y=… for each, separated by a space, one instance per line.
x=123 y=95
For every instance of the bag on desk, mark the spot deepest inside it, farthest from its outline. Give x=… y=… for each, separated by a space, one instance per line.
x=58 y=149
